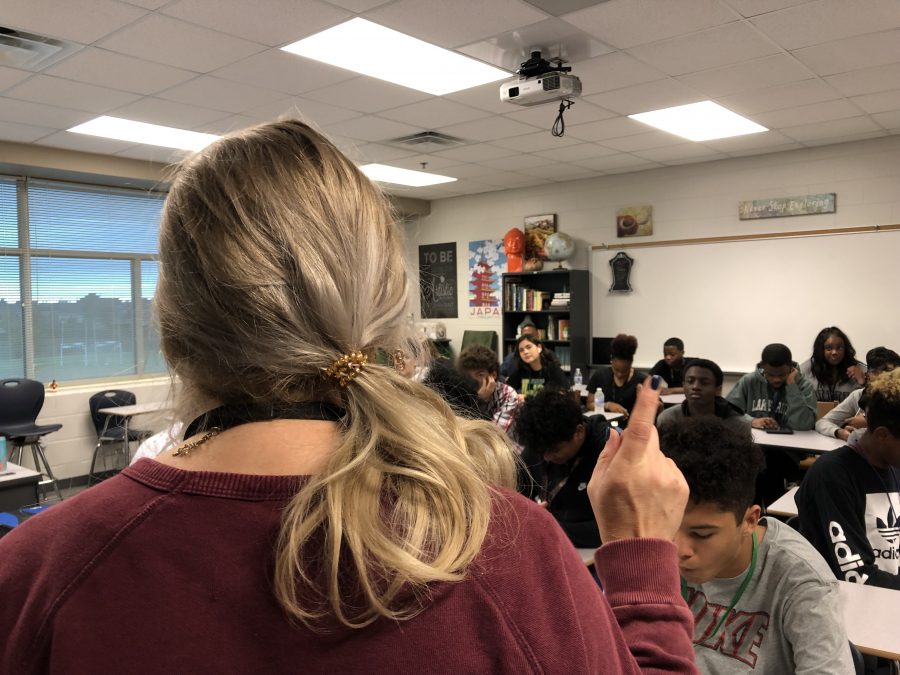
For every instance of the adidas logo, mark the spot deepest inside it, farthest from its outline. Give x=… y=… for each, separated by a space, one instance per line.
x=890 y=531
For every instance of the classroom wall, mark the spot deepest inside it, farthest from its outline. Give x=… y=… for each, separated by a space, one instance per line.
x=693 y=200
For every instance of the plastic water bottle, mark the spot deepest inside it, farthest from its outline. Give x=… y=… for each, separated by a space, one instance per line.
x=578 y=378
x=599 y=399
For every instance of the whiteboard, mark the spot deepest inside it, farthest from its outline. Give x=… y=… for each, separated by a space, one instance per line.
x=728 y=300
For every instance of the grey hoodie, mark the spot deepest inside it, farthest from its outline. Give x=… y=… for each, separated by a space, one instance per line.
x=797 y=407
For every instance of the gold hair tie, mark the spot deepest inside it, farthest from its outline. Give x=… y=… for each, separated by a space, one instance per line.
x=346 y=368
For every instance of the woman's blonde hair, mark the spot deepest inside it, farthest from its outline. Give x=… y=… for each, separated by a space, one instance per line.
x=277 y=257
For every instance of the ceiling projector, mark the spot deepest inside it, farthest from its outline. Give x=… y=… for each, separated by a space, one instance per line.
x=540 y=82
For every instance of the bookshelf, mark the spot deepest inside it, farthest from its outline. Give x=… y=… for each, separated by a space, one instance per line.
x=558 y=302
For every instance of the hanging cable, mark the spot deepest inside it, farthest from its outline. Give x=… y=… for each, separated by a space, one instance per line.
x=559 y=126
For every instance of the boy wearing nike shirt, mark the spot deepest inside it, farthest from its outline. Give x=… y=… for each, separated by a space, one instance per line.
x=850 y=498
x=763 y=600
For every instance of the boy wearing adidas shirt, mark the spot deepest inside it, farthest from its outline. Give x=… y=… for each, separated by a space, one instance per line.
x=849 y=501
x=763 y=600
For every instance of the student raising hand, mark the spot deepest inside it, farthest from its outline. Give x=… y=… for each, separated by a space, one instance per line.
x=636 y=491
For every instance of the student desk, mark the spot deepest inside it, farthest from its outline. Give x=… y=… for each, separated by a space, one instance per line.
x=126 y=412
x=18 y=487
x=785 y=506
x=871 y=615
x=804 y=441
x=672 y=399
x=610 y=416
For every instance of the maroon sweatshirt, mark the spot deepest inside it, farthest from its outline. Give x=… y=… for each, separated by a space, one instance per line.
x=161 y=570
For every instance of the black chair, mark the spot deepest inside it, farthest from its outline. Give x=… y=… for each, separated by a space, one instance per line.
x=111 y=428
x=21 y=401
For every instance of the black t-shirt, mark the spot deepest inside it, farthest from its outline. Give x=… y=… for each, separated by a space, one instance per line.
x=625 y=396
x=565 y=485
x=674 y=377
x=551 y=375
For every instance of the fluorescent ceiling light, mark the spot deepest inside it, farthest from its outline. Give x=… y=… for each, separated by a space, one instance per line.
x=392 y=174
x=141 y=132
x=701 y=121
x=373 y=50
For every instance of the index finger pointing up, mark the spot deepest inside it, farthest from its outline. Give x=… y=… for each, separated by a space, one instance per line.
x=642 y=418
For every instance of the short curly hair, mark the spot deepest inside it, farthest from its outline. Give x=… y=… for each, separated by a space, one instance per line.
x=478 y=357
x=719 y=464
x=883 y=404
x=549 y=417
x=623 y=347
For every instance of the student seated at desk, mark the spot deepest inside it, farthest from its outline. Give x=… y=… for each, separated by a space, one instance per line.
x=561 y=447
x=499 y=400
x=620 y=381
x=702 y=396
x=849 y=501
x=763 y=600
x=671 y=366
x=510 y=362
x=833 y=369
x=776 y=395
x=847 y=417
x=536 y=368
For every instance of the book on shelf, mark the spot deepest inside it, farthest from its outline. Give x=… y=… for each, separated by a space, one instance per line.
x=518 y=298
x=565 y=357
x=563 y=329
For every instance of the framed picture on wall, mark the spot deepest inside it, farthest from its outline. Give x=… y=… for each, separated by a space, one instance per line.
x=537 y=229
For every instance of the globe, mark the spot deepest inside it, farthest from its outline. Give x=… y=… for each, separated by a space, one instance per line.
x=559 y=246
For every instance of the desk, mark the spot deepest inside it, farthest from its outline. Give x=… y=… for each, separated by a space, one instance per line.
x=785 y=505
x=805 y=441
x=18 y=487
x=871 y=615
x=587 y=556
x=610 y=416
x=126 y=412
x=672 y=399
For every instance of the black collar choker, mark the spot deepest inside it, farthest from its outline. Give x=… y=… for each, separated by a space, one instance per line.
x=234 y=414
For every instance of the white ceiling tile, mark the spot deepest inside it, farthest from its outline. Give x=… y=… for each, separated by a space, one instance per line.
x=807 y=114
x=510 y=179
x=434 y=113
x=755 y=7
x=451 y=24
x=713 y=48
x=82 y=143
x=616 y=162
x=782 y=96
x=475 y=153
x=22 y=133
x=302 y=108
x=807 y=133
x=281 y=71
x=147 y=4
x=465 y=170
x=626 y=23
x=540 y=140
x=77 y=95
x=574 y=153
x=226 y=125
x=433 y=163
x=219 y=94
x=889 y=120
x=110 y=69
x=853 y=53
x=26 y=112
x=652 y=139
x=168 y=113
x=516 y=162
x=371 y=129
x=366 y=94
x=648 y=96
x=827 y=20
x=683 y=151
x=644 y=166
x=154 y=153
x=489 y=129
x=793 y=145
x=866 y=80
x=177 y=43
x=612 y=128
x=376 y=152
x=12 y=76
x=554 y=37
x=484 y=97
x=613 y=71
x=884 y=101
x=83 y=21
x=845 y=139
x=358 y=5
x=749 y=75
x=276 y=23
x=560 y=172
x=757 y=142
x=543 y=116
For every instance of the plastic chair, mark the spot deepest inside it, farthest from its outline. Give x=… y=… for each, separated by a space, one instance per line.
x=111 y=428
x=21 y=401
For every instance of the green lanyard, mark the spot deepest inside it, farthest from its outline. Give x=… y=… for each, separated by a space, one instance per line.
x=740 y=590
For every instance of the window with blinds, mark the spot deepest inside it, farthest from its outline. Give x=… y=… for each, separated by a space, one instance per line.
x=88 y=273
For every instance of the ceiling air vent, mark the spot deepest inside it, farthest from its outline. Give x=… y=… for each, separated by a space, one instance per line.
x=427 y=141
x=27 y=51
